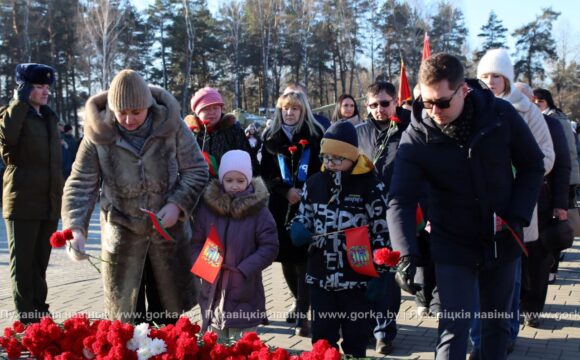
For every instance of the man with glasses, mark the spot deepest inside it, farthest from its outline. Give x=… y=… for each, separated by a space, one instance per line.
x=484 y=171
x=378 y=139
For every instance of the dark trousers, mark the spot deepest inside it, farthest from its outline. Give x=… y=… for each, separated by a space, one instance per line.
x=28 y=241
x=428 y=295
x=457 y=284
x=149 y=308
x=535 y=273
x=386 y=310
x=347 y=311
x=295 y=276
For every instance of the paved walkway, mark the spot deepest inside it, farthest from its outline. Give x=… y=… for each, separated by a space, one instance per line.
x=76 y=287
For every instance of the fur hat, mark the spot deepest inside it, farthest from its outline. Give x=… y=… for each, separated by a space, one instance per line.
x=341 y=140
x=496 y=61
x=236 y=160
x=204 y=98
x=129 y=91
x=34 y=74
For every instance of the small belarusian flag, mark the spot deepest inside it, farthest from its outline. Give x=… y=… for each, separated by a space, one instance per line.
x=419 y=219
x=358 y=251
x=500 y=224
x=211 y=162
x=157 y=225
x=209 y=262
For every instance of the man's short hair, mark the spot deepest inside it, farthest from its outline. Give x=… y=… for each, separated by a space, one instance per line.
x=378 y=86
x=439 y=67
x=296 y=87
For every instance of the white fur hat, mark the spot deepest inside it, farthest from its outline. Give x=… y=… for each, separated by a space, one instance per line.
x=496 y=61
x=236 y=160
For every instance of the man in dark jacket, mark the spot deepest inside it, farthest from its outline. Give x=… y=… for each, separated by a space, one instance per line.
x=463 y=141
x=30 y=146
x=378 y=139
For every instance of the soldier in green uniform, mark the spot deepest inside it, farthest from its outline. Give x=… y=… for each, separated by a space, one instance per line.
x=33 y=182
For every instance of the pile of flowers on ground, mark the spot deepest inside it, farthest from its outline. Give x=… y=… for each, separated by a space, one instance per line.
x=79 y=338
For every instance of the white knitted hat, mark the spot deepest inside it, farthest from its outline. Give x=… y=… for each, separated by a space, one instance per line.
x=496 y=61
x=236 y=160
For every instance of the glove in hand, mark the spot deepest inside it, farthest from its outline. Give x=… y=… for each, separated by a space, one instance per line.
x=405 y=274
x=76 y=247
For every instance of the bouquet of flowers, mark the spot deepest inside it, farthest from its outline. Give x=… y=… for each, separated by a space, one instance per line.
x=79 y=338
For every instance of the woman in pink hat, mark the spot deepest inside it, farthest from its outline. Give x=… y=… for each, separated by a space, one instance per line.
x=216 y=132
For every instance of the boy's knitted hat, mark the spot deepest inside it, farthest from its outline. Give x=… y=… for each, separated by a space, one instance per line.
x=496 y=61
x=129 y=91
x=204 y=98
x=341 y=140
x=236 y=160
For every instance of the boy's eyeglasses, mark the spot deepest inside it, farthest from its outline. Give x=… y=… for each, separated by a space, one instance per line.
x=441 y=103
x=384 y=103
x=331 y=159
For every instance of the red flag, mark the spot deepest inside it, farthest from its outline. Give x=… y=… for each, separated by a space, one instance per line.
x=404 y=89
x=426 y=47
x=209 y=262
x=358 y=251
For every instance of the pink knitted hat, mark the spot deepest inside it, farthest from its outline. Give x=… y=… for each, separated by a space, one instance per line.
x=236 y=160
x=205 y=97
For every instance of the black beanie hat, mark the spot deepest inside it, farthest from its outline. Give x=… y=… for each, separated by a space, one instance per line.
x=34 y=74
x=341 y=140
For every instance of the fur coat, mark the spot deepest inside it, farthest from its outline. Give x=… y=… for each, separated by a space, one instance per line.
x=169 y=168
x=247 y=231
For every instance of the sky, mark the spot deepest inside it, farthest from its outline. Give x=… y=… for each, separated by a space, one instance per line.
x=513 y=14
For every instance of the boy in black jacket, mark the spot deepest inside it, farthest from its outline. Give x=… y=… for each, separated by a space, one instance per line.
x=346 y=194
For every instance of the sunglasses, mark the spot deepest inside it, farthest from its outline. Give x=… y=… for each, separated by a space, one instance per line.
x=331 y=159
x=384 y=103
x=441 y=103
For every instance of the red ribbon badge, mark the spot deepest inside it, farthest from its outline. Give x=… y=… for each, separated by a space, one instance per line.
x=358 y=251
x=209 y=262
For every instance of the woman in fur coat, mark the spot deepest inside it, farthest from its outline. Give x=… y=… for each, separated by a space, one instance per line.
x=140 y=154
x=237 y=205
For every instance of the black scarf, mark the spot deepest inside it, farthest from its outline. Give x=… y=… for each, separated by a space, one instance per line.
x=461 y=129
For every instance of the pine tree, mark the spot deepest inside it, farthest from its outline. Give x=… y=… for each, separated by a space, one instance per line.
x=494 y=35
x=534 y=44
x=448 y=31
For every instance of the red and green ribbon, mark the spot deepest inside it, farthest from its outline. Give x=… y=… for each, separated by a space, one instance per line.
x=157 y=225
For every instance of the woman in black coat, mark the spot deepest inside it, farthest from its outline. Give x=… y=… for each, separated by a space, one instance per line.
x=289 y=157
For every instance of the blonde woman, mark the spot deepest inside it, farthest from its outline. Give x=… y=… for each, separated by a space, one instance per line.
x=289 y=157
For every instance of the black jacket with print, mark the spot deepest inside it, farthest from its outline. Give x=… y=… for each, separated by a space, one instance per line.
x=357 y=200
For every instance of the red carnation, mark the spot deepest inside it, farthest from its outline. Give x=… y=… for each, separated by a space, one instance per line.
x=386 y=257
x=204 y=122
x=18 y=326
x=57 y=239
x=67 y=233
x=303 y=142
x=395 y=119
x=292 y=149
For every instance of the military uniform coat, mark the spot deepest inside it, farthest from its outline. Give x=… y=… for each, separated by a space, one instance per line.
x=30 y=147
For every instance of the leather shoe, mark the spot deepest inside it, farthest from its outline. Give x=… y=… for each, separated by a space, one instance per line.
x=474 y=354
x=531 y=320
x=384 y=347
x=302 y=328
